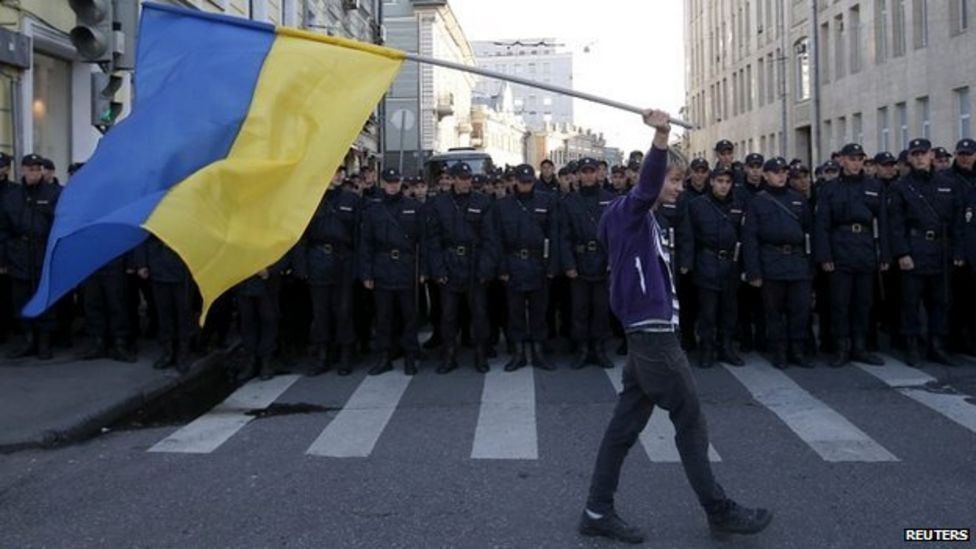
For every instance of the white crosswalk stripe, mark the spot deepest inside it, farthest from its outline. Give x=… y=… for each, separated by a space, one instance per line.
x=911 y=383
x=206 y=433
x=658 y=437
x=357 y=427
x=506 y=423
x=827 y=432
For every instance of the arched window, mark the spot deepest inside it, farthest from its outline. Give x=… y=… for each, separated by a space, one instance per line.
x=802 y=51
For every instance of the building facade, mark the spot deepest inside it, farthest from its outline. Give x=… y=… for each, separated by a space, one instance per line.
x=536 y=59
x=496 y=129
x=774 y=78
x=428 y=108
x=562 y=143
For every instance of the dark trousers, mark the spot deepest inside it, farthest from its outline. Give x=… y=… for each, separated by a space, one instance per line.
x=752 y=317
x=824 y=309
x=259 y=322
x=451 y=306
x=962 y=318
x=656 y=374
x=559 y=307
x=928 y=290
x=532 y=304
x=331 y=311
x=717 y=312
x=591 y=310
x=106 y=315
x=388 y=302
x=850 y=304
x=434 y=307
x=497 y=311
x=6 y=307
x=294 y=326
x=136 y=290
x=363 y=311
x=688 y=312
x=20 y=293
x=787 y=305
x=173 y=308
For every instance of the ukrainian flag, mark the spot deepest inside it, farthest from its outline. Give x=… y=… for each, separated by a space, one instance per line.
x=235 y=132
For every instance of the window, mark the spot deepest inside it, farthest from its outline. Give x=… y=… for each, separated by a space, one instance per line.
x=839 y=41
x=857 y=128
x=902 y=113
x=770 y=80
x=802 y=53
x=828 y=134
x=880 y=31
x=531 y=68
x=547 y=101
x=924 y=117
x=920 y=23
x=735 y=93
x=748 y=87
x=898 y=28
x=841 y=131
x=884 y=129
x=51 y=108
x=959 y=15
x=965 y=113
x=761 y=82
x=824 y=57
x=854 y=33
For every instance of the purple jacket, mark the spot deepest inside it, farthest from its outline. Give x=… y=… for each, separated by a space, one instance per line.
x=640 y=285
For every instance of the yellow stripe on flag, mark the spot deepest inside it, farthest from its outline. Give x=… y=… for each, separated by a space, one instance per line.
x=241 y=214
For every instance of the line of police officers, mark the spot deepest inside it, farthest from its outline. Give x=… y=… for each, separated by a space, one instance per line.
x=758 y=245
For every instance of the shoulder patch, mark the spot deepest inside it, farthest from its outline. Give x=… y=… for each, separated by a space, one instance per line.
x=870 y=193
x=797 y=203
x=735 y=211
x=345 y=208
x=541 y=210
x=474 y=210
x=408 y=212
x=944 y=189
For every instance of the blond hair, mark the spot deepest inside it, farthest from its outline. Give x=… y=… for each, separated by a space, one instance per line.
x=676 y=160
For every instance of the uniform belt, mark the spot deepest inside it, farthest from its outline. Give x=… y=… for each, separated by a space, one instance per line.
x=787 y=249
x=927 y=235
x=525 y=253
x=855 y=228
x=721 y=254
x=591 y=246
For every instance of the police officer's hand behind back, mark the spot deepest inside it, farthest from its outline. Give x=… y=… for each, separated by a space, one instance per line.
x=442 y=280
x=572 y=273
x=503 y=278
x=143 y=273
x=368 y=284
x=827 y=266
x=906 y=263
x=757 y=283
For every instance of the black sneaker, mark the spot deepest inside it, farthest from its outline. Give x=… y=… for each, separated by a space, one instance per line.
x=736 y=519
x=610 y=526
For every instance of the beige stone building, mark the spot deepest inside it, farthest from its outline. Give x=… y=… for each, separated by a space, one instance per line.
x=878 y=72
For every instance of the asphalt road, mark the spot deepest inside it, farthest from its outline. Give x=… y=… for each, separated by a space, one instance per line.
x=843 y=457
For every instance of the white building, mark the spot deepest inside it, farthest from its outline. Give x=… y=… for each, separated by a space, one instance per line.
x=497 y=130
x=535 y=59
x=562 y=143
x=878 y=72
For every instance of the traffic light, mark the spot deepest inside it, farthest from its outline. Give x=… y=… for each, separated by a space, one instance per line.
x=94 y=36
x=104 y=107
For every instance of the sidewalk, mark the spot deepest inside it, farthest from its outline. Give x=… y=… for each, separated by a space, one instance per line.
x=44 y=404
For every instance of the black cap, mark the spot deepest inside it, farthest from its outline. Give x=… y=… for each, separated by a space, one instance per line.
x=635 y=166
x=699 y=164
x=525 y=173
x=618 y=169
x=47 y=164
x=754 y=158
x=546 y=161
x=509 y=172
x=724 y=145
x=831 y=166
x=852 y=149
x=941 y=152
x=572 y=166
x=775 y=164
x=564 y=172
x=461 y=169
x=919 y=144
x=903 y=156
x=74 y=167
x=479 y=179
x=885 y=158
x=588 y=164
x=797 y=169
x=391 y=175
x=32 y=160
x=4 y=160
x=722 y=170
x=966 y=146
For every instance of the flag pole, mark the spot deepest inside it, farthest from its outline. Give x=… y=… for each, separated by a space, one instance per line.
x=526 y=82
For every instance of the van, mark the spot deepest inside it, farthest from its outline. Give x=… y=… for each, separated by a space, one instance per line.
x=437 y=164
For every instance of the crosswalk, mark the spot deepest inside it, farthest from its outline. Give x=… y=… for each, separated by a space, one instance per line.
x=507 y=426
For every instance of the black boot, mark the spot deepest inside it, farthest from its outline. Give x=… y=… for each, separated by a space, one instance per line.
x=44 y=346
x=797 y=357
x=582 y=358
x=937 y=352
x=726 y=353
x=322 y=362
x=410 y=364
x=843 y=355
x=490 y=352
x=165 y=360
x=267 y=369
x=622 y=349
x=183 y=360
x=121 y=352
x=345 y=360
x=250 y=369
x=539 y=358
x=434 y=342
x=912 y=357
x=735 y=519
x=779 y=356
x=27 y=348
x=600 y=355
x=480 y=364
x=610 y=526
x=706 y=355
x=450 y=359
x=96 y=351
x=519 y=358
x=860 y=354
x=383 y=365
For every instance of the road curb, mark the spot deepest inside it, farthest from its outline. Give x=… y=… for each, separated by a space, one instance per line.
x=91 y=425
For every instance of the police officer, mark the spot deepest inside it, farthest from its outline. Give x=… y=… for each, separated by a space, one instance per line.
x=923 y=212
x=776 y=244
x=390 y=262
x=524 y=235
x=458 y=224
x=26 y=217
x=851 y=246
x=709 y=248
x=547 y=177
x=962 y=321
x=171 y=289
x=618 y=180
x=258 y=307
x=752 y=315
x=724 y=154
x=942 y=160
x=106 y=318
x=696 y=185
x=888 y=294
x=326 y=258
x=6 y=311
x=965 y=168
x=49 y=171
x=584 y=262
